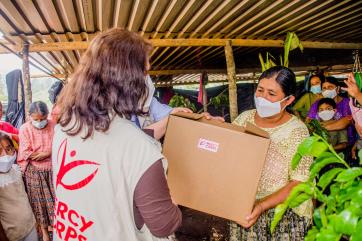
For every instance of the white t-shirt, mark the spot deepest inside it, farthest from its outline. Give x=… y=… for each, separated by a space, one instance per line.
x=95 y=181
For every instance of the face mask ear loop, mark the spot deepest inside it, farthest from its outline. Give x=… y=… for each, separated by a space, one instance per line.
x=283 y=100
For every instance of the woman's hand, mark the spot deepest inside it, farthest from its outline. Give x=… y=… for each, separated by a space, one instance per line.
x=210 y=117
x=181 y=109
x=352 y=87
x=39 y=156
x=255 y=214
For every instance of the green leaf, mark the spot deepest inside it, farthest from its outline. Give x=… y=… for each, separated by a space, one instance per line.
x=355 y=207
x=327 y=177
x=320 y=196
x=327 y=234
x=320 y=163
x=357 y=235
x=348 y=193
x=312 y=146
x=323 y=216
x=295 y=161
x=317 y=218
x=346 y=222
x=295 y=43
x=287 y=45
x=262 y=63
x=299 y=200
x=278 y=215
x=312 y=233
x=357 y=198
x=349 y=174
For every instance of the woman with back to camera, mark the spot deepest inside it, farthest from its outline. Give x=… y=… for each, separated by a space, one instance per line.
x=106 y=169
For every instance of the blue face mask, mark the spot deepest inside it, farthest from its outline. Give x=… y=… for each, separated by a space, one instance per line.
x=316 y=89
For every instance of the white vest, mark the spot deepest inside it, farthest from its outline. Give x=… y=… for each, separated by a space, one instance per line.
x=95 y=181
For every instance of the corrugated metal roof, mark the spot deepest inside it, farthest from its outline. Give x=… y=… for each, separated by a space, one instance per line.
x=46 y=21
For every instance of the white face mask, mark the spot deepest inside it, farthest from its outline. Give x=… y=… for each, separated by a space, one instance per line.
x=265 y=108
x=151 y=91
x=330 y=93
x=6 y=162
x=326 y=115
x=39 y=124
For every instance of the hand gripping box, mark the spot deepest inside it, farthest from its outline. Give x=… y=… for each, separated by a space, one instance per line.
x=214 y=167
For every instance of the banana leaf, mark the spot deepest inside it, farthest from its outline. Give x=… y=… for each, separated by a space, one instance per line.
x=358 y=77
x=291 y=42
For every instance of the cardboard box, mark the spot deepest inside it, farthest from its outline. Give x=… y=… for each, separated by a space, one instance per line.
x=214 y=167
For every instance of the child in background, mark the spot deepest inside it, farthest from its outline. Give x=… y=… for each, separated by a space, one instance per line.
x=326 y=113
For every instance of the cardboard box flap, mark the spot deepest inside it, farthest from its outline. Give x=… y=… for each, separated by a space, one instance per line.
x=254 y=130
x=249 y=128
x=192 y=116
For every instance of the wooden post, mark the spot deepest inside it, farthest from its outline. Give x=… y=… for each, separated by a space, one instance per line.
x=204 y=97
x=26 y=78
x=233 y=100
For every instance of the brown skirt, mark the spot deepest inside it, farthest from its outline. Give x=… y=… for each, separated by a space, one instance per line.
x=39 y=186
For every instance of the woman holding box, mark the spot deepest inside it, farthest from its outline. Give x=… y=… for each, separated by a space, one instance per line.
x=273 y=95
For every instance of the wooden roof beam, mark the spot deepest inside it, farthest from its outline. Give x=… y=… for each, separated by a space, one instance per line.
x=77 y=45
x=219 y=71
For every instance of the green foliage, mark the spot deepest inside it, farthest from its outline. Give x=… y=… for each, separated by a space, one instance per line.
x=180 y=101
x=220 y=102
x=358 y=77
x=340 y=212
x=291 y=42
x=269 y=61
x=314 y=126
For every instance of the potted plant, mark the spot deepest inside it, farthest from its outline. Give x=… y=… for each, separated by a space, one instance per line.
x=340 y=213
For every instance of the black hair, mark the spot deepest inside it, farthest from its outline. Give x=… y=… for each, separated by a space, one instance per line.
x=54 y=91
x=321 y=77
x=6 y=137
x=332 y=80
x=327 y=101
x=284 y=77
x=38 y=107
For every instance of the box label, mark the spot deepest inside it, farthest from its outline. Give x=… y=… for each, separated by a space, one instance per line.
x=208 y=145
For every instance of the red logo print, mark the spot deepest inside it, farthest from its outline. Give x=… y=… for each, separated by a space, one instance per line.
x=64 y=169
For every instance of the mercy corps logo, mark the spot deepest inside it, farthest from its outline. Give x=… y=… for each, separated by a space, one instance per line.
x=70 y=224
x=65 y=168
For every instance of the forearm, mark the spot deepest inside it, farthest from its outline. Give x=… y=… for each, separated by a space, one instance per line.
x=340 y=146
x=278 y=197
x=159 y=128
x=338 y=125
x=154 y=204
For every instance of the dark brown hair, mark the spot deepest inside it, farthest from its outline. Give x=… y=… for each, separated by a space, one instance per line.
x=109 y=81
